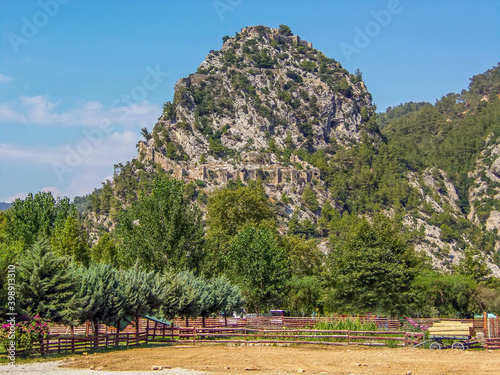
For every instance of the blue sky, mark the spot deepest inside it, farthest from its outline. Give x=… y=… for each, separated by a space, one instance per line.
x=79 y=79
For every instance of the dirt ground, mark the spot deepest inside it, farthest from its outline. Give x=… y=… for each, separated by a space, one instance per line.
x=219 y=359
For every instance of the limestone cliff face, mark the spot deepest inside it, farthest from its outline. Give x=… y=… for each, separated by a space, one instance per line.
x=440 y=242
x=262 y=91
x=484 y=195
x=250 y=105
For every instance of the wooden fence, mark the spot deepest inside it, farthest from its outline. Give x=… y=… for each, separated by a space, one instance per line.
x=252 y=330
x=237 y=335
x=59 y=344
x=492 y=343
x=262 y=322
x=306 y=336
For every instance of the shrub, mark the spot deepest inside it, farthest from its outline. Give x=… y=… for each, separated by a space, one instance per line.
x=285 y=30
x=27 y=331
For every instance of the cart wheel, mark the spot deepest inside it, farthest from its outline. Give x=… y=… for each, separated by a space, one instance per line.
x=436 y=345
x=458 y=345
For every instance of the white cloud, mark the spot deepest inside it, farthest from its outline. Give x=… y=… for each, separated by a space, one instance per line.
x=20 y=195
x=109 y=149
x=52 y=189
x=39 y=110
x=108 y=135
x=5 y=79
x=72 y=171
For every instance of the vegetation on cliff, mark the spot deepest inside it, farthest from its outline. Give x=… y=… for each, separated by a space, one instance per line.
x=402 y=216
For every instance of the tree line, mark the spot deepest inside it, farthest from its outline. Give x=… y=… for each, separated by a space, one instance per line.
x=162 y=257
x=70 y=293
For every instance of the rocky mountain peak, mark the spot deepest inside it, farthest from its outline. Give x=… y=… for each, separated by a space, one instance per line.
x=266 y=91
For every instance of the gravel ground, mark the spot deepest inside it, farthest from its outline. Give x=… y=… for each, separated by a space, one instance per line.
x=53 y=368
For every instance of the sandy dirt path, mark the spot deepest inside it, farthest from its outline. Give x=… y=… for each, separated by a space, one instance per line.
x=219 y=359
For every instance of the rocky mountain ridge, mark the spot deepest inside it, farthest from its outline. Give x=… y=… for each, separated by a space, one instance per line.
x=250 y=105
x=268 y=106
x=262 y=90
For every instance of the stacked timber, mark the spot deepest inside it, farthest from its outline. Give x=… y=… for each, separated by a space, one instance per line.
x=452 y=328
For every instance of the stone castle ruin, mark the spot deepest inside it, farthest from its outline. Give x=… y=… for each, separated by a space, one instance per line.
x=255 y=32
x=275 y=174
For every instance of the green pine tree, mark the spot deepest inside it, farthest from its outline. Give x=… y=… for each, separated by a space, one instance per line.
x=47 y=284
x=100 y=297
x=141 y=292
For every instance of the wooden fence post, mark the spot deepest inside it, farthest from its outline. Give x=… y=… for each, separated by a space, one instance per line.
x=498 y=325
x=147 y=330
x=348 y=337
x=117 y=338
x=485 y=324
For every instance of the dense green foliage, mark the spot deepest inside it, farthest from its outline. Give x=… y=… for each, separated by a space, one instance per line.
x=140 y=244
x=229 y=210
x=259 y=265
x=372 y=269
x=46 y=284
x=163 y=231
x=36 y=217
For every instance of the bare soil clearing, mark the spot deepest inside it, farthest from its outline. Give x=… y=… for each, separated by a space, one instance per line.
x=219 y=359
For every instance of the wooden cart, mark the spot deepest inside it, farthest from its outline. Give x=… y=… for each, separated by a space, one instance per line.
x=460 y=333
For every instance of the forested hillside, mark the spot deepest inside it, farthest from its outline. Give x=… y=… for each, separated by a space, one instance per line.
x=456 y=141
x=272 y=174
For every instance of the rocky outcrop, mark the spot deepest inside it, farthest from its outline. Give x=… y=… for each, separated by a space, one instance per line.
x=484 y=195
x=439 y=207
x=248 y=109
x=263 y=90
x=221 y=173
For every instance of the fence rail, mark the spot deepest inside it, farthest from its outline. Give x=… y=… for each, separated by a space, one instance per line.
x=62 y=343
x=309 y=336
x=492 y=343
x=251 y=330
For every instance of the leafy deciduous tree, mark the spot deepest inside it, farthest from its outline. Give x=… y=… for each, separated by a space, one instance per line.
x=71 y=239
x=260 y=266
x=229 y=210
x=163 y=231
x=372 y=269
